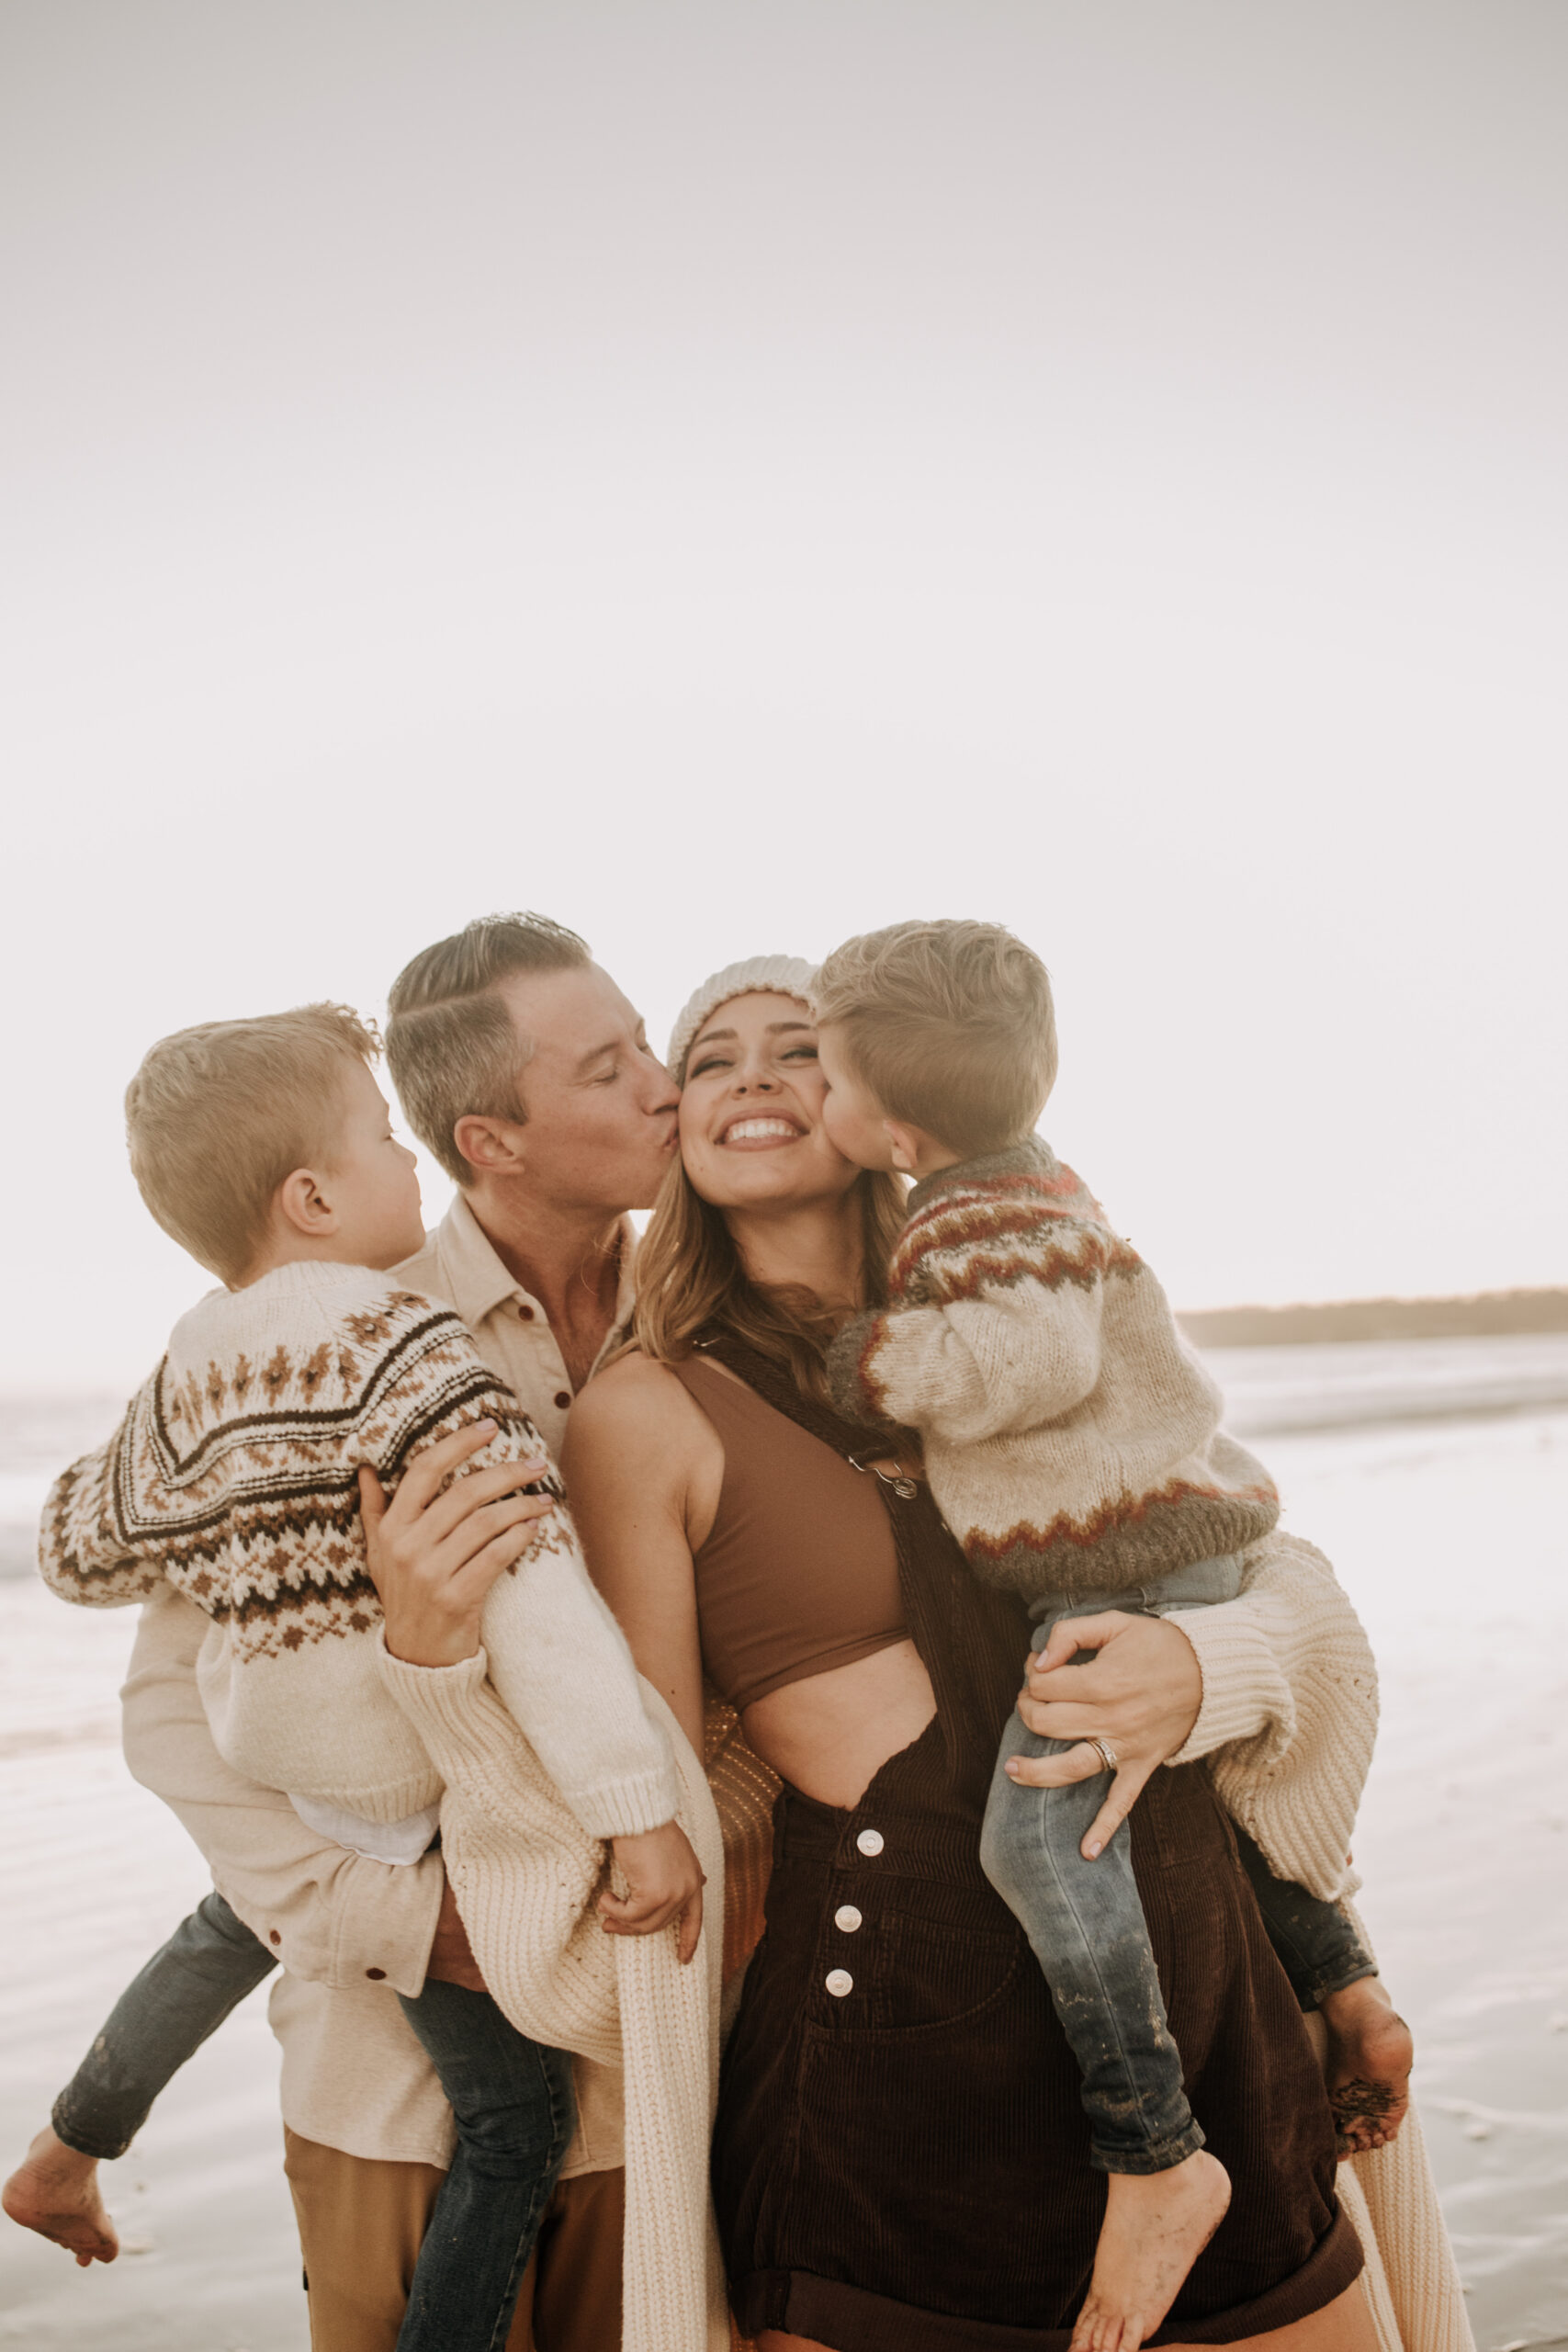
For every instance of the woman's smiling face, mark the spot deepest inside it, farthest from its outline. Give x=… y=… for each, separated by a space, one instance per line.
x=751 y=1118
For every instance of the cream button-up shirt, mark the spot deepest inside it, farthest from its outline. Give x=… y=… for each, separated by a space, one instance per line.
x=351 y=1932
x=459 y=1266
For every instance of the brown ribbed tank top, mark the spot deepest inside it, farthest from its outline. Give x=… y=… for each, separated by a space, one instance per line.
x=800 y=1572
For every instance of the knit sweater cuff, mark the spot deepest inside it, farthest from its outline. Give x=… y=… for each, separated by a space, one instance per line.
x=845 y=1378
x=1244 y=1690
x=443 y=1705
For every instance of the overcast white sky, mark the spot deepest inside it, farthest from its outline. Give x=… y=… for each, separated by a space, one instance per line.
x=729 y=475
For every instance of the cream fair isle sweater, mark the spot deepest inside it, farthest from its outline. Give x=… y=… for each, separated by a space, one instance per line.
x=1072 y=1438
x=233 y=1478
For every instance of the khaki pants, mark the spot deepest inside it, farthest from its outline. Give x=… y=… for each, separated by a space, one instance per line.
x=361 y=2220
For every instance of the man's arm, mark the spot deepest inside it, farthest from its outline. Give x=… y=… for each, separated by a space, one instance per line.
x=331 y=1915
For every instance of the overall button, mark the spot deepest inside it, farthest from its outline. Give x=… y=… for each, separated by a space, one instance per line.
x=839 y=1981
x=847 y=1917
x=870 y=1841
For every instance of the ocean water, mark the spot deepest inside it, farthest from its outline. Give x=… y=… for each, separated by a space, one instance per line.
x=1435 y=1474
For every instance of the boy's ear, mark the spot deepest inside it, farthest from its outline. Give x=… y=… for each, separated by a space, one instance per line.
x=304 y=1208
x=904 y=1143
x=494 y=1145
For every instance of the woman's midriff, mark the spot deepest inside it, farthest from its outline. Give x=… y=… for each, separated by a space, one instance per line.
x=829 y=1735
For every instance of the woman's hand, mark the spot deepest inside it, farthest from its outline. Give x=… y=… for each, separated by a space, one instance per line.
x=434 y=1556
x=1141 y=1696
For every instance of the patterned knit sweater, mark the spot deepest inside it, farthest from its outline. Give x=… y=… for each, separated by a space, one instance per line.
x=1072 y=1438
x=233 y=1475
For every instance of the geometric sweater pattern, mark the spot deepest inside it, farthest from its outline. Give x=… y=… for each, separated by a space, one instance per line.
x=1071 y=1438
x=232 y=1476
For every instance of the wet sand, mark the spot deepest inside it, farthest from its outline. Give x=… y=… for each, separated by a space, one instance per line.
x=1434 y=1473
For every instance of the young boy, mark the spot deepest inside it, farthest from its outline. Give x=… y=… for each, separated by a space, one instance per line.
x=1073 y=1443
x=264 y=1147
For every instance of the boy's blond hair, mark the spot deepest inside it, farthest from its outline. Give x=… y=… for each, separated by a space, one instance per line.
x=951 y=1027
x=217 y=1116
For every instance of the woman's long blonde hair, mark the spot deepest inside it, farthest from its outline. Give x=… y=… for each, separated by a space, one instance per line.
x=691 y=1280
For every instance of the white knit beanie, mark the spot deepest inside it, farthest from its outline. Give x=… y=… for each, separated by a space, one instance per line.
x=770 y=974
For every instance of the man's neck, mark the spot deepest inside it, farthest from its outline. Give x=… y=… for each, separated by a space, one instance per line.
x=569 y=1261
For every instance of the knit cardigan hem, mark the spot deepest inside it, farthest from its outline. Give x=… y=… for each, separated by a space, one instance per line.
x=525 y=1876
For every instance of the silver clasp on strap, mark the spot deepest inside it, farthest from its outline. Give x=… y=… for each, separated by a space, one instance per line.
x=904 y=1486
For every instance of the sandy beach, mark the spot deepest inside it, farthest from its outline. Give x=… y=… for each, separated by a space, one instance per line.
x=1435 y=1474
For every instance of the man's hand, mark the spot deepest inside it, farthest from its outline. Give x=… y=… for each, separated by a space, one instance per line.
x=436 y=1550
x=1141 y=1696
x=451 y=1958
x=664 y=1881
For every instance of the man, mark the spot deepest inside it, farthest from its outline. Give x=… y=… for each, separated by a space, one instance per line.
x=527 y=1074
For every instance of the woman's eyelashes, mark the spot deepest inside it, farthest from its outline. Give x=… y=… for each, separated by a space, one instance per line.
x=707 y=1063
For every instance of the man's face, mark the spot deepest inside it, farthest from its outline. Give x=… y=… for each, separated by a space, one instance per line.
x=601 y=1125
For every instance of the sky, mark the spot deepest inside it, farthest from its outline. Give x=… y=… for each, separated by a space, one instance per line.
x=731 y=476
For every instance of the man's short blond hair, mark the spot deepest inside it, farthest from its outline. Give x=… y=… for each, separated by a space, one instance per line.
x=217 y=1116
x=949 y=1026
x=452 y=1046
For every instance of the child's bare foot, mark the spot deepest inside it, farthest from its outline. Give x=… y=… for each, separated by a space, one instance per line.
x=56 y=2192
x=1156 y=2226
x=1369 y=2055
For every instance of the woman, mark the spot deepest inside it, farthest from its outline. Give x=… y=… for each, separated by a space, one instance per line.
x=900 y=2153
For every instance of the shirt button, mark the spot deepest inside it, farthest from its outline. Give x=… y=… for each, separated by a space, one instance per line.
x=273 y=1937
x=378 y=1976
x=525 y=1313
x=839 y=1981
x=563 y=1399
x=870 y=1841
x=847 y=1917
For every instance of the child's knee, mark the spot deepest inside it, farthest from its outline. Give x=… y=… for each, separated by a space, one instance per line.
x=1010 y=1839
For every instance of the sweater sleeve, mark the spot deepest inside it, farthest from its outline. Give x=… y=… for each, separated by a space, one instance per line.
x=563 y=1669
x=83 y=1550
x=557 y=1659
x=1290 y=1709
x=1012 y=1351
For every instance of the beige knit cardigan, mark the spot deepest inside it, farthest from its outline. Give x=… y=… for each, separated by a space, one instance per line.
x=527 y=1876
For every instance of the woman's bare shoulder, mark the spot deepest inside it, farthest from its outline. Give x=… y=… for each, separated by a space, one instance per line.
x=635 y=1398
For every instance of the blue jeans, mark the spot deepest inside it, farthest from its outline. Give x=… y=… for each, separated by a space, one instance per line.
x=164 y=2016
x=1085 y=1920
x=512 y=2099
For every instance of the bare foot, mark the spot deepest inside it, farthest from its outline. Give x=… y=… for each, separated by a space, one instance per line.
x=1368 y=2066
x=56 y=2192
x=1156 y=2226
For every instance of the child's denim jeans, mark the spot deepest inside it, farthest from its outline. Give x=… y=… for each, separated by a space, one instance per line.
x=512 y=2099
x=164 y=2016
x=1086 y=1922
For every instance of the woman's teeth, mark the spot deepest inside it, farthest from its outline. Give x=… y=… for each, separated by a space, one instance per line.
x=760 y=1130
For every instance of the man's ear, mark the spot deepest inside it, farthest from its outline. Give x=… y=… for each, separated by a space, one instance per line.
x=904 y=1143
x=495 y=1146
x=303 y=1203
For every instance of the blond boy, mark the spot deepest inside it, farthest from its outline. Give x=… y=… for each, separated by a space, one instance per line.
x=1073 y=1443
